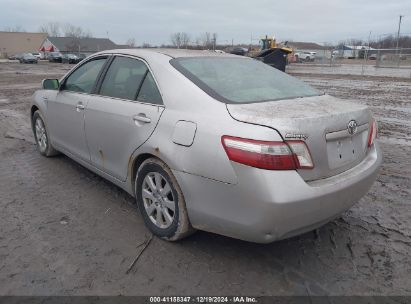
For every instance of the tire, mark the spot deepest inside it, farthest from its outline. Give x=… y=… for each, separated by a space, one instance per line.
x=164 y=214
x=41 y=136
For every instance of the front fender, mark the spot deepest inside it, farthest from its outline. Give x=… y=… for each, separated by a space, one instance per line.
x=40 y=101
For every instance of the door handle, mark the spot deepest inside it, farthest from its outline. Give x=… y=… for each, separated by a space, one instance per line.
x=142 y=118
x=80 y=107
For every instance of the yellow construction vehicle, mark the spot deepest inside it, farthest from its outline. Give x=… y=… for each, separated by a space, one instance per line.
x=273 y=54
x=271 y=43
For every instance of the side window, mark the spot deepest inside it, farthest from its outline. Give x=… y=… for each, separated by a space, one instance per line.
x=149 y=91
x=83 y=79
x=123 y=78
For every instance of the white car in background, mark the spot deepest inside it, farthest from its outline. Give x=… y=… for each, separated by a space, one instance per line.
x=305 y=56
x=39 y=56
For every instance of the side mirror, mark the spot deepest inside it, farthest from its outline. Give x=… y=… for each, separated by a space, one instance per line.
x=50 y=84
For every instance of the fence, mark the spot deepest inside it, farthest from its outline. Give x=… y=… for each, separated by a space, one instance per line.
x=393 y=58
x=380 y=58
x=323 y=57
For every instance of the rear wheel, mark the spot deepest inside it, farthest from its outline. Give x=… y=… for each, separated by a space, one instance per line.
x=40 y=134
x=161 y=201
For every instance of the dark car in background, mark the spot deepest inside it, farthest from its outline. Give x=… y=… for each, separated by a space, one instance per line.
x=16 y=56
x=239 y=51
x=372 y=57
x=28 y=58
x=81 y=57
x=55 y=57
x=69 y=58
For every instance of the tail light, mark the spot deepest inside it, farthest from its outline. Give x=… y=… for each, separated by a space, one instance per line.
x=372 y=135
x=270 y=155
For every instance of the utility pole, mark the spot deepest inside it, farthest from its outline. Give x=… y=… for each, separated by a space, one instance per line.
x=398 y=41
x=399 y=29
x=366 y=54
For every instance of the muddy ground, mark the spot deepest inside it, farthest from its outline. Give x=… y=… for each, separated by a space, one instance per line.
x=66 y=231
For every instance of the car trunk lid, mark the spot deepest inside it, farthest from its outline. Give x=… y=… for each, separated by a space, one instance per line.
x=322 y=122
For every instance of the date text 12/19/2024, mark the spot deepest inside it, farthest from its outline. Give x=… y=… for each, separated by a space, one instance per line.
x=204 y=299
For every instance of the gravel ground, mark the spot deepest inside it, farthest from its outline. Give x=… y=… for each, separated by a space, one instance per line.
x=66 y=231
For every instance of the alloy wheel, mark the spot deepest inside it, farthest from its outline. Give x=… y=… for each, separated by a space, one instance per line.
x=41 y=134
x=158 y=199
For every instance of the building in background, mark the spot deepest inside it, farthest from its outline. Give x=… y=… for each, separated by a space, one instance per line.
x=74 y=45
x=354 y=51
x=12 y=43
x=308 y=51
x=306 y=46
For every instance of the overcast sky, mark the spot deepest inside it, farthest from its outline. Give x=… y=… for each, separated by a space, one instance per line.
x=153 y=21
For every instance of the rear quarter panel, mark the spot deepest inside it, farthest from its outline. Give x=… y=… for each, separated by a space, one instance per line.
x=184 y=101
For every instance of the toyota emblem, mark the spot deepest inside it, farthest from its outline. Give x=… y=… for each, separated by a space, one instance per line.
x=352 y=127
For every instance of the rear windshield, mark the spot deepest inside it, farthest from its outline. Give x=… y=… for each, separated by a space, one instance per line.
x=241 y=80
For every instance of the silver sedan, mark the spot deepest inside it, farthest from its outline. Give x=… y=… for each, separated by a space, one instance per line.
x=210 y=141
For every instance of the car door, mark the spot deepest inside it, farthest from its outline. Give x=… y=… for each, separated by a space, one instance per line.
x=66 y=112
x=122 y=116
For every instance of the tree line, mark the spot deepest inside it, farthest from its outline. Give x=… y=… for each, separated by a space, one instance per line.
x=205 y=40
x=387 y=42
x=57 y=29
x=184 y=40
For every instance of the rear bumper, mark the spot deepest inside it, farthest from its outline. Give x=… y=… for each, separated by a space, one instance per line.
x=265 y=206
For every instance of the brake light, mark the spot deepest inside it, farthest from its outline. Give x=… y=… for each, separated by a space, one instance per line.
x=372 y=135
x=301 y=151
x=270 y=155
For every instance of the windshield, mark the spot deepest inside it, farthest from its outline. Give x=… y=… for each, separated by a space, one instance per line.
x=241 y=80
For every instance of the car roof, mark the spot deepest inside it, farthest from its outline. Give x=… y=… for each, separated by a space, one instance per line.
x=173 y=53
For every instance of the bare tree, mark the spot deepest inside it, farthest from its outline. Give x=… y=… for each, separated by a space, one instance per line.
x=131 y=42
x=185 y=39
x=17 y=28
x=180 y=39
x=214 y=40
x=87 y=34
x=70 y=30
x=208 y=40
x=146 y=45
x=197 y=42
x=205 y=39
x=176 y=40
x=51 y=28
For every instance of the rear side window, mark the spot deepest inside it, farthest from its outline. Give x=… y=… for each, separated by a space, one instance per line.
x=241 y=80
x=83 y=79
x=149 y=91
x=123 y=78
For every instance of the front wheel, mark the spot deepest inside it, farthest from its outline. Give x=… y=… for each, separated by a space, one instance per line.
x=161 y=201
x=40 y=134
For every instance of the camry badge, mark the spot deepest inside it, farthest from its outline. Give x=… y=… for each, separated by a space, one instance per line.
x=352 y=127
x=296 y=136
